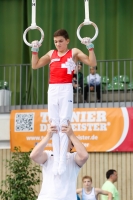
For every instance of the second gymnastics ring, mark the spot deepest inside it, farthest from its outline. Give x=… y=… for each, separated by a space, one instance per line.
x=87 y=23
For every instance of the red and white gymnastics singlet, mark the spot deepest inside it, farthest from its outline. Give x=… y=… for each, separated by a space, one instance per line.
x=61 y=68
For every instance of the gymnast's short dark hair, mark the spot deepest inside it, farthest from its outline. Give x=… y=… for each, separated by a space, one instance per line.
x=61 y=32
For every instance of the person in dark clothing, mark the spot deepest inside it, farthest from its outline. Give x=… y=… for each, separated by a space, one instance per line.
x=78 y=82
x=93 y=84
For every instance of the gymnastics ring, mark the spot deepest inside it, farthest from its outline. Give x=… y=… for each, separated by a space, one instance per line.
x=87 y=23
x=31 y=28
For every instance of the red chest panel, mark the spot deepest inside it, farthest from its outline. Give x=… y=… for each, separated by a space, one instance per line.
x=61 y=68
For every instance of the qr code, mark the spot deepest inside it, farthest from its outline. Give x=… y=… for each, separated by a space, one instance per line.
x=24 y=122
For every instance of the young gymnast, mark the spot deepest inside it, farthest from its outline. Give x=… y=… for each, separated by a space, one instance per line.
x=62 y=62
x=90 y=193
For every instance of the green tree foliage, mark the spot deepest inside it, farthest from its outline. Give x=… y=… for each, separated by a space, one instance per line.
x=19 y=184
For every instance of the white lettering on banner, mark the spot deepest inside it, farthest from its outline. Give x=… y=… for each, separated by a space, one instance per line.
x=44 y=127
x=82 y=117
x=81 y=121
x=34 y=138
x=85 y=144
x=49 y=145
x=39 y=138
x=80 y=137
x=90 y=116
x=90 y=126
x=76 y=116
x=44 y=116
x=87 y=137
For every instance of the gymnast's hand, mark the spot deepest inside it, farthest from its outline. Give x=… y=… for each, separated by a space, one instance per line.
x=35 y=46
x=86 y=41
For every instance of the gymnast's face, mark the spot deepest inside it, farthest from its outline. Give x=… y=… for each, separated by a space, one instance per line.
x=61 y=43
x=87 y=183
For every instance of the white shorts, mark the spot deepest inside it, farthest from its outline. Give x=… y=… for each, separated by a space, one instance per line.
x=60 y=103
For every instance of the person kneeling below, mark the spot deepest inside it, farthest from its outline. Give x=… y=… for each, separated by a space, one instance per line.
x=59 y=187
x=89 y=192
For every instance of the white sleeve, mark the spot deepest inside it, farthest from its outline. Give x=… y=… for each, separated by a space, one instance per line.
x=98 y=78
x=49 y=153
x=76 y=166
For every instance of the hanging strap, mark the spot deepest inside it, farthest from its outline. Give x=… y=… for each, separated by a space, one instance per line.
x=33 y=26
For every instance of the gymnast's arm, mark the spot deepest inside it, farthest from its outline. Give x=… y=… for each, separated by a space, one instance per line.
x=79 y=191
x=89 y=60
x=82 y=155
x=38 y=154
x=100 y=191
x=40 y=62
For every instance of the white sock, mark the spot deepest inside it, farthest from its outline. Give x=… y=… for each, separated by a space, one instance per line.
x=56 y=152
x=63 y=152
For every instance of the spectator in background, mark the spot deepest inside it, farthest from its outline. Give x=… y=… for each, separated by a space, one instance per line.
x=89 y=192
x=78 y=83
x=111 y=176
x=93 y=83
